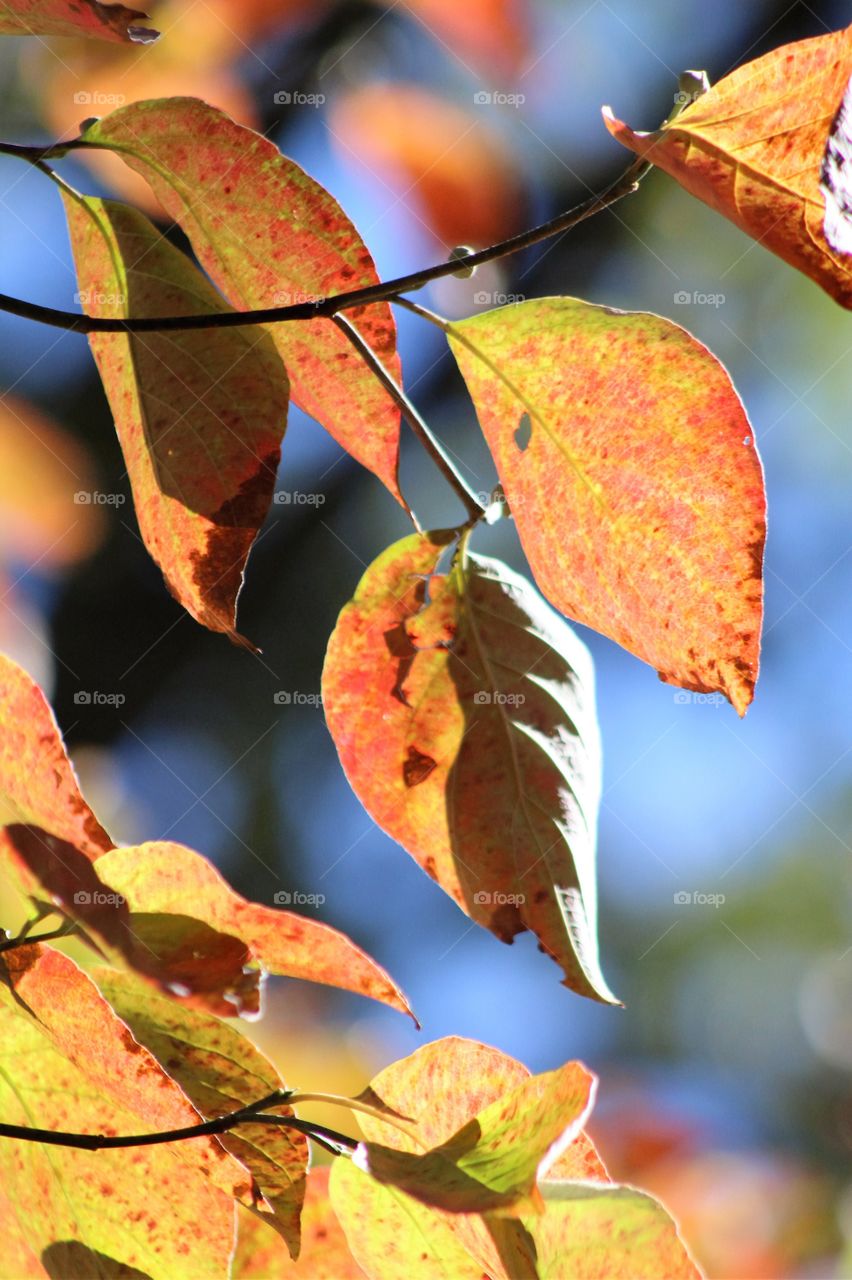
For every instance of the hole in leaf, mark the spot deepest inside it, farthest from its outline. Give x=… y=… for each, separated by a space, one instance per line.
x=523 y=432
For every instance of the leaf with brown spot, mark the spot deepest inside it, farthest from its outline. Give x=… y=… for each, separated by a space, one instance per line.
x=442 y=1088
x=69 y=1063
x=325 y=1255
x=220 y=1070
x=200 y=414
x=161 y=907
x=268 y=235
x=74 y=18
x=462 y=708
x=752 y=148
x=639 y=496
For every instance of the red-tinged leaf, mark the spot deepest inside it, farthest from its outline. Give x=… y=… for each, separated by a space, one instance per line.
x=752 y=148
x=462 y=707
x=74 y=18
x=268 y=235
x=203 y=935
x=325 y=1255
x=440 y=1088
x=220 y=1070
x=630 y=467
x=161 y=907
x=494 y=1160
x=200 y=414
x=593 y=1232
x=70 y=1064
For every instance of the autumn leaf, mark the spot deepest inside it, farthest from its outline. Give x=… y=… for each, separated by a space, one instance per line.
x=494 y=1160
x=200 y=414
x=463 y=711
x=74 y=18
x=268 y=235
x=441 y=1088
x=438 y=155
x=630 y=467
x=325 y=1255
x=70 y=1063
x=220 y=1071
x=161 y=907
x=752 y=148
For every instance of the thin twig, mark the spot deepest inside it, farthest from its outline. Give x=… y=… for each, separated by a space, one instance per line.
x=423 y=433
x=335 y=302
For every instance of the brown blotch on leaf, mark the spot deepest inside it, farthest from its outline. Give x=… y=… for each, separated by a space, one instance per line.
x=416 y=767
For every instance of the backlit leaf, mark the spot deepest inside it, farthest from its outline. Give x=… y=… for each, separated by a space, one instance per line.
x=630 y=467
x=74 y=18
x=440 y=1089
x=200 y=413
x=268 y=235
x=220 y=1071
x=752 y=149
x=162 y=907
x=325 y=1255
x=462 y=707
x=69 y=1063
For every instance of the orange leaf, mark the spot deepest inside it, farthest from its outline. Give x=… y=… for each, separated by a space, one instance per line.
x=162 y=907
x=71 y=1064
x=268 y=235
x=74 y=18
x=440 y=156
x=200 y=413
x=465 y=724
x=630 y=467
x=752 y=148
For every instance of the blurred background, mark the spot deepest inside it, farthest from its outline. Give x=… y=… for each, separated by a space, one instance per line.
x=724 y=855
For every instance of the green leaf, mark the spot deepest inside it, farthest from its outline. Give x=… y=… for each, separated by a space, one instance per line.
x=200 y=414
x=220 y=1071
x=630 y=468
x=462 y=707
x=69 y=1063
x=268 y=235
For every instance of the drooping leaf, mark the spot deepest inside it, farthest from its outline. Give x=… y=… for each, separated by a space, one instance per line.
x=463 y=711
x=752 y=148
x=268 y=235
x=440 y=1089
x=200 y=414
x=161 y=907
x=325 y=1255
x=74 y=18
x=220 y=1070
x=630 y=467
x=69 y=1063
